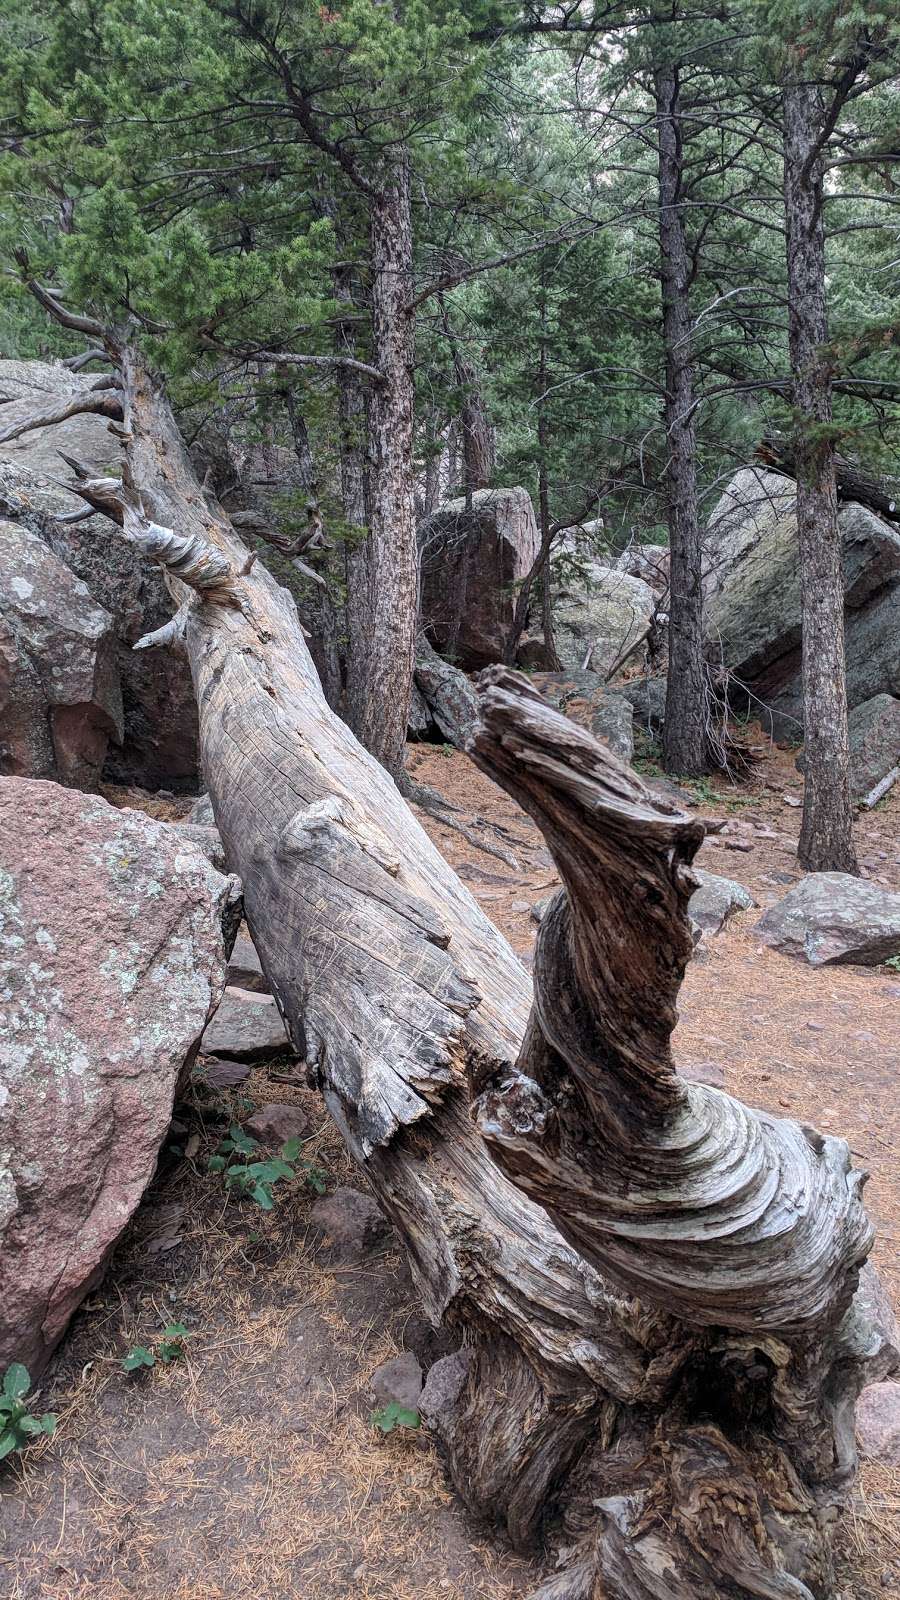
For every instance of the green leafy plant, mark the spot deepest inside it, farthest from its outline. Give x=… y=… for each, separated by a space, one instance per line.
x=251 y=1179
x=18 y=1428
x=168 y=1348
x=894 y=963
x=394 y=1415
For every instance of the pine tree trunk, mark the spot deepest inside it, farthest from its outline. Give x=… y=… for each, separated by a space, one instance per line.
x=684 y=733
x=654 y=1287
x=826 y=836
x=382 y=612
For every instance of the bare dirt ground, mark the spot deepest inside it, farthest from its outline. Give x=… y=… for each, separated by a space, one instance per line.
x=251 y=1468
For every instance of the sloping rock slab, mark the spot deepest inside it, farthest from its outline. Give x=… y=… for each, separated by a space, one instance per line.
x=832 y=917
x=112 y=957
x=716 y=901
x=246 y=1027
x=584 y=697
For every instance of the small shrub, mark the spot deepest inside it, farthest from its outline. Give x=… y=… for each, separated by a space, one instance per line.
x=168 y=1348
x=393 y=1415
x=18 y=1428
x=250 y=1179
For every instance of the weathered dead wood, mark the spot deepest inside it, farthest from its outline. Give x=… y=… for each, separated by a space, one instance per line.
x=699 y=1438
x=104 y=402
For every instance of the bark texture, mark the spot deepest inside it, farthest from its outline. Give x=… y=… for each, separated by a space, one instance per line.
x=381 y=672
x=826 y=835
x=670 y=1351
x=685 y=729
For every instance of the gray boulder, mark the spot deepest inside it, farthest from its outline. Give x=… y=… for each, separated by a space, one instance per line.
x=471 y=562
x=60 y=701
x=113 y=932
x=716 y=901
x=752 y=588
x=158 y=743
x=584 y=697
x=601 y=623
x=210 y=842
x=831 y=917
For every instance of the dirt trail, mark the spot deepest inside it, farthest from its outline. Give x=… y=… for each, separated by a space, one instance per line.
x=251 y=1467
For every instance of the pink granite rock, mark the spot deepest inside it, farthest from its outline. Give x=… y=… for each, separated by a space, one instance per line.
x=112 y=959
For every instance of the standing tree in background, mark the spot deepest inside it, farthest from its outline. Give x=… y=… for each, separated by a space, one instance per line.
x=826 y=838
x=685 y=729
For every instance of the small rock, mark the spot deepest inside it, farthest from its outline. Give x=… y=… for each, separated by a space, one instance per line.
x=350 y=1222
x=246 y=1027
x=276 y=1123
x=244 y=967
x=444 y=1384
x=398 y=1382
x=201 y=812
x=709 y=1072
x=520 y=905
x=716 y=901
x=539 y=907
x=220 y=1073
x=791 y=800
x=878 y=1423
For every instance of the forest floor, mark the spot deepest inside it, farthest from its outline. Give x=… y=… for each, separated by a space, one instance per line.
x=251 y=1468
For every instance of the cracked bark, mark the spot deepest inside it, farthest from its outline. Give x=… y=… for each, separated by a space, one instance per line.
x=826 y=835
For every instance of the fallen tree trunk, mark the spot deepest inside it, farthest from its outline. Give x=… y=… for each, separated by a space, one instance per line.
x=670 y=1352
x=881 y=495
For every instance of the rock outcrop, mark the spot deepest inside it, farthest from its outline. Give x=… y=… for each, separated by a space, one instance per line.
x=113 y=937
x=157 y=743
x=472 y=561
x=60 y=701
x=832 y=917
x=752 y=591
